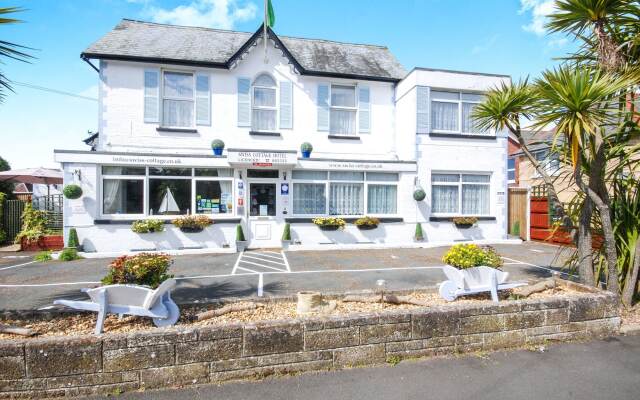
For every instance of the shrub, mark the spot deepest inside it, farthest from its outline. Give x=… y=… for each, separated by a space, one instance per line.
x=286 y=233
x=306 y=146
x=330 y=221
x=367 y=221
x=419 y=194
x=418 y=235
x=72 y=191
x=34 y=225
x=217 y=144
x=43 y=256
x=141 y=269
x=240 y=234
x=464 y=220
x=69 y=255
x=72 y=240
x=192 y=222
x=3 y=235
x=470 y=255
x=147 y=226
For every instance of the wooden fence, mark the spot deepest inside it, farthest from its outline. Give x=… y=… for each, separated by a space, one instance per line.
x=518 y=212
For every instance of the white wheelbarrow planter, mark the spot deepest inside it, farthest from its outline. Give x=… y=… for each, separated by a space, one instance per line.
x=131 y=300
x=474 y=280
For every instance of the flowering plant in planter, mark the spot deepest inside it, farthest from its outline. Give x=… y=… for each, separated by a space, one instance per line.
x=192 y=223
x=464 y=222
x=465 y=256
x=329 y=223
x=367 y=223
x=148 y=226
x=141 y=269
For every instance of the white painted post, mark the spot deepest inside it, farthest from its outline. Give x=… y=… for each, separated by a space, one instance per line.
x=260 y=283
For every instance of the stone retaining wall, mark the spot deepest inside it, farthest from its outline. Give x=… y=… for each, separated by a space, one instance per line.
x=115 y=363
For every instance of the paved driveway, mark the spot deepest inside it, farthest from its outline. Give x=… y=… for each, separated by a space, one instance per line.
x=25 y=284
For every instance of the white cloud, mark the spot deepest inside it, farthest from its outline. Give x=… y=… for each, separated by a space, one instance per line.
x=558 y=43
x=539 y=10
x=481 y=48
x=223 y=14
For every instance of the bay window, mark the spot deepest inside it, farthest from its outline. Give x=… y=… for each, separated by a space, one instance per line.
x=460 y=194
x=264 y=111
x=344 y=193
x=451 y=112
x=342 y=120
x=178 y=99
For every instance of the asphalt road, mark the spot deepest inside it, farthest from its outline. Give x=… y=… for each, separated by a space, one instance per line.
x=607 y=369
x=27 y=285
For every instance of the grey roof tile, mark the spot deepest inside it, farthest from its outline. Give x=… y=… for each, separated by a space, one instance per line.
x=150 y=40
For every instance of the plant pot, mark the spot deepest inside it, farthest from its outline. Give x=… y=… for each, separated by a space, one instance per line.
x=463 y=226
x=241 y=245
x=329 y=227
x=306 y=154
x=191 y=229
x=366 y=227
x=217 y=152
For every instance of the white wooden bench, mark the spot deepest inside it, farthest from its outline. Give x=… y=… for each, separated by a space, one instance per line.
x=130 y=300
x=474 y=280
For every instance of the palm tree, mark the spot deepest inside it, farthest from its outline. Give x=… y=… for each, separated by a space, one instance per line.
x=583 y=105
x=9 y=49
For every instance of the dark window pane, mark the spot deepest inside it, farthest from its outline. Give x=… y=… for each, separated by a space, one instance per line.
x=262 y=199
x=116 y=170
x=221 y=172
x=511 y=163
x=169 y=196
x=159 y=171
x=262 y=173
x=512 y=175
x=122 y=196
x=213 y=197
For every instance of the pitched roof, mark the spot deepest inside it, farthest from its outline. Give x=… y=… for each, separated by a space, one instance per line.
x=146 y=41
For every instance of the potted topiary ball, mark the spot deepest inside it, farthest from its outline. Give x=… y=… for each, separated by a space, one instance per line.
x=217 y=146
x=306 y=148
x=72 y=191
x=241 y=242
x=419 y=194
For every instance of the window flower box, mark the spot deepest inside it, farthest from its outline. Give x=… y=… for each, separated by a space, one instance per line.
x=329 y=223
x=192 y=223
x=464 y=222
x=367 y=223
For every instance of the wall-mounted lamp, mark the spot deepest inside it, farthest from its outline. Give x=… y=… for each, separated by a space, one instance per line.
x=77 y=173
x=284 y=175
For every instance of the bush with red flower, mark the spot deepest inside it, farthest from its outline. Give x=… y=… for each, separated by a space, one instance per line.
x=145 y=269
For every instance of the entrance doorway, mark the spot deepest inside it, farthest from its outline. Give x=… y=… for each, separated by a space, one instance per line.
x=263 y=209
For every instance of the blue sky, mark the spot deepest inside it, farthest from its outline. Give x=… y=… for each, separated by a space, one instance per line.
x=499 y=36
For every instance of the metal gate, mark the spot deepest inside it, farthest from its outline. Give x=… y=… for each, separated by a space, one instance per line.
x=12 y=218
x=53 y=205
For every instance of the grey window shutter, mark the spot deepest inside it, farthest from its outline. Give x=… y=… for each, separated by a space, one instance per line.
x=286 y=105
x=323 y=107
x=151 y=96
x=364 y=110
x=244 y=102
x=423 y=117
x=203 y=100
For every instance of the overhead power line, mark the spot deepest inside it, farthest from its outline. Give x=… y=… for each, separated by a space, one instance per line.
x=56 y=91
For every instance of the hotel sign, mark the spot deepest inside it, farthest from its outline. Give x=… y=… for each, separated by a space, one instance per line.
x=261 y=158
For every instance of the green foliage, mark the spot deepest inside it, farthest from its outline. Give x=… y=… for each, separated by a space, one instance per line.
x=72 y=240
x=418 y=235
x=69 y=255
x=464 y=256
x=330 y=221
x=286 y=233
x=72 y=191
x=8 y=49
x=464 y=220
x=419 y=194
x=306 y=146
x=217 y=144
x=3 y=235
x=148 y=226
x=6 y=188
x=146 y=269
x=34 y=225
x=43 y=256
x=240 y=234
x=367 y=221
x=515 y=228
x=192 y=222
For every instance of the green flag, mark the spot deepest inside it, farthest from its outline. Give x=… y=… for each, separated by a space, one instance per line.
x=271 y=16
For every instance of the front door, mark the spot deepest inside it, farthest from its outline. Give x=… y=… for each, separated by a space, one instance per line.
x=262 y=207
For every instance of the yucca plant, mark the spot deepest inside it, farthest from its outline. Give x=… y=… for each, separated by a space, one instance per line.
x=9 y=49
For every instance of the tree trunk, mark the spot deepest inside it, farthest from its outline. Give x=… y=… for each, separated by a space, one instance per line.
x=584 y=244
x=632 y=278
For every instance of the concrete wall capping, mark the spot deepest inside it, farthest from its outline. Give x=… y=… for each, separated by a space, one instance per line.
x=85 y=365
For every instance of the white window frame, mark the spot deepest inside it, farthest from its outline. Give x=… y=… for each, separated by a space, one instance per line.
x=327 y=183
x=514 y=169
x=142 y=178
x=197 y=179
x=459 y=102
x=163 y=98
x=459 y=184
x=275 y=108
x=354 y=108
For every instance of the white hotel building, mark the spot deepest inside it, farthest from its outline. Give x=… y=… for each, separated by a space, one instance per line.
x=377 y=132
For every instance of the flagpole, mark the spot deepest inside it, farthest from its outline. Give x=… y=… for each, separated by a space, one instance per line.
x=265 y=31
